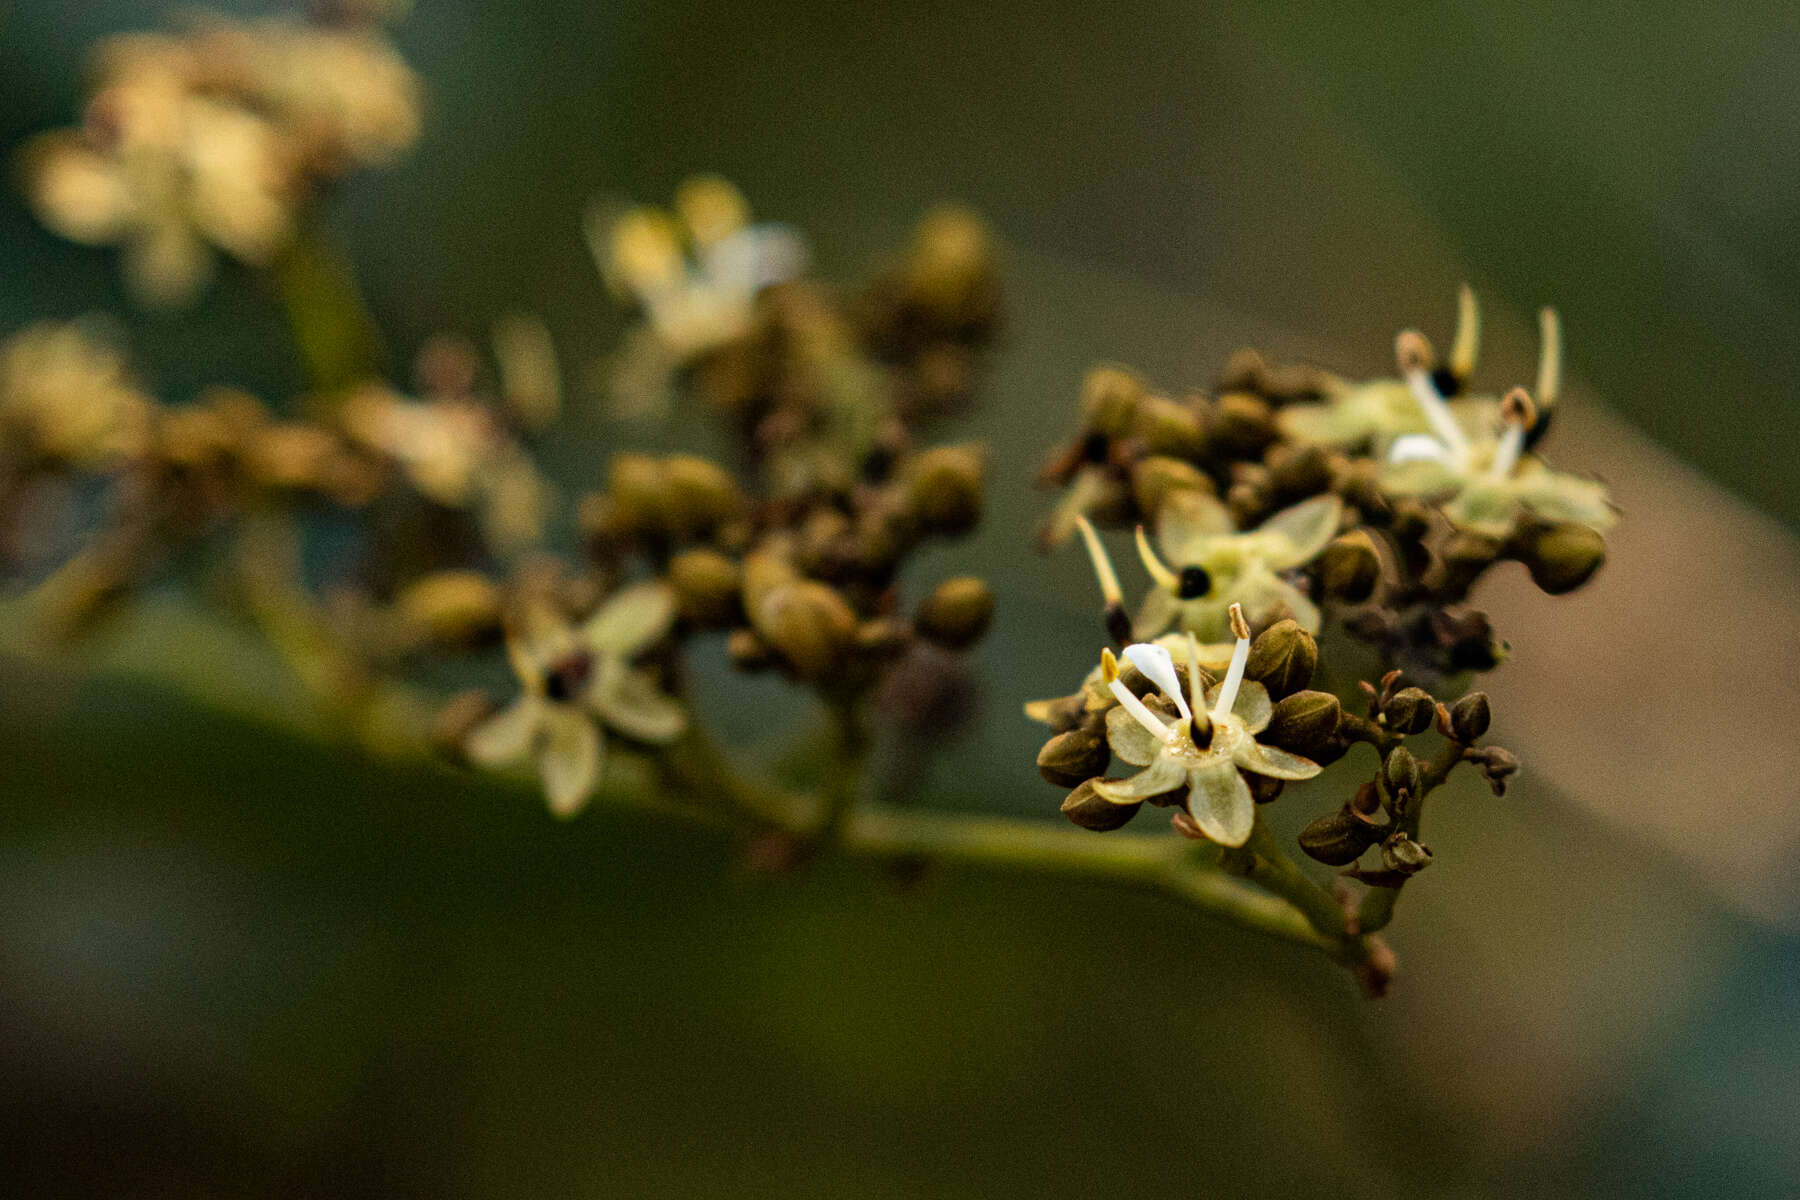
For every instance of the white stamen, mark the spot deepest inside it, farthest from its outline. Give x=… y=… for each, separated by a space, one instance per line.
x=1442 y=420
x=1109 y=582
x=1417 y=447
x=1549 y=380
x=1234 y=678
x=1143 y=715
x=1158 y=665
x=1195 y=691
x=1159 y=572
x=1468 y=334
x=1506 y=454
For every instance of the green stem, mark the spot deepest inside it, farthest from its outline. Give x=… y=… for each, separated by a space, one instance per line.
x=1377 y=908
x=337 y=337
x=1263 y=860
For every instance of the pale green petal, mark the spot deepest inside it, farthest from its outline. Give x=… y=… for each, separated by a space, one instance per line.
x=1554 y=497
x=630 y=702
x=1189 y=523
x=1129 y=739
x=1266 y=596
x=568 y=759
x=506 y=736
x=631 y=620
x=1273 y=762
x=1342 y=424
x=1220 y=802
x=1162 y=775
x=1296 y=535
x=1420 y=477
x=1253 y=706
x=1159 y=611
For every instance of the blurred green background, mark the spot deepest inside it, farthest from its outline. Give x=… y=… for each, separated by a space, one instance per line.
x=236 y=961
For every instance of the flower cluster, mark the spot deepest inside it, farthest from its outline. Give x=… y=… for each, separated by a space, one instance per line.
x=220 y=137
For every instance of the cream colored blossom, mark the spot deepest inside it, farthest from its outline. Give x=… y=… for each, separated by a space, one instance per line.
x=577 y=684
x=66 y=391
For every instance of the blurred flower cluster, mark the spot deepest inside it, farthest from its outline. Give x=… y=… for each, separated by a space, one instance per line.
x=222 y=137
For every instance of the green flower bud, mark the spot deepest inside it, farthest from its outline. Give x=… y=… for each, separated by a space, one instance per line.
x=1401 y=772
x=1338 y=839
x=1168 y=427
x=763 y=572
x=944 y=489
x=707 y=587
x=452 y=608
x=1562 y=557
x=635 y=485
x=1242 y=425
x=748 y=652
x=809 y=624
x=1467 y=554
x=1304 y=722
x=1088 y=809
x=882 y=638
x=1283 y=659
x=701 y=495
x=1350 y=567
x=1263 y=789
x=1299 y=471
x=1404 y=856
x=1109 y=397
x=957 y=613
x=1155 y=477
x=1410 y=710
x=1469 y=717
x=1073 y=757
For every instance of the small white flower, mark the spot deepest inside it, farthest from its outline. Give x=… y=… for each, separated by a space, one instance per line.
x=1207 y=749
x=577 y=682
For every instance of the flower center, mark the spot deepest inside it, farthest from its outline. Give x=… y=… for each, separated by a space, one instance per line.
x=567 y=677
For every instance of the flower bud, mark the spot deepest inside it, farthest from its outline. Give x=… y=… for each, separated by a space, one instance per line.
x=1304 y=722
x=1263 y=789
x=1469 y=717
x=882 y=638
x=1338 y=839
x=1562 y=557
x=1155 y=477
x=747 y=651
x=1467 y=555
x=634 y=485
x=764 y=571
x=1109 y=396
x=707 y=586
x=1499 y=766
x=1401 y=772
x=809 y=624
x=1168 y=427
x=1410 y=710
x=1070 y=758
x=1090 y=810
x=700 y=494
x=453 y=608
x=1283 y=659
x=957 y=613
x=1242 y=425
x=1298 y=471
x=1404 y=856
x=944 y=489
x=1350 y=567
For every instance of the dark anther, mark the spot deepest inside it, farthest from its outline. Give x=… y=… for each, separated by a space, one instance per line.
x=1195 y=583
x=1446 y=382
x=878 y=465
x=1536 y=433
x=1095 y=447
x=1118 y=624
x=566 y=678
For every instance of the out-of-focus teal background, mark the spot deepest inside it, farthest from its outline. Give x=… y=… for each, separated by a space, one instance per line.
x=235 y=962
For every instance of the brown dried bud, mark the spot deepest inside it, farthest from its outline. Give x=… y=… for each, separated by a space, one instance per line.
x=1109 y=397
x=1283 y=659
x=957 y=613
x=1469 y=717
x=452 y=608
x=707 y=587
x=1158 y=475
x=1304 y=722
x=1338 y=839
x=809 y=624
x=944 y=489
x=1401 y=773
x=1561 y=557
x=1090 y=810
x=1072 y=757
x=1401 y=854
x=1410 y=710
x=1498 y=765
x=1350 y=567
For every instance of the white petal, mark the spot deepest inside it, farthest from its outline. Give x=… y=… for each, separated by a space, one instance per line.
x=632 y=704
x=1220 y=802
x=506 y=736
x=1296 y=535
x=1159 y=667
x=1273 y=762
x=1129 y=739
x=631 y=620
x=1418 y=447
x=569 y=759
